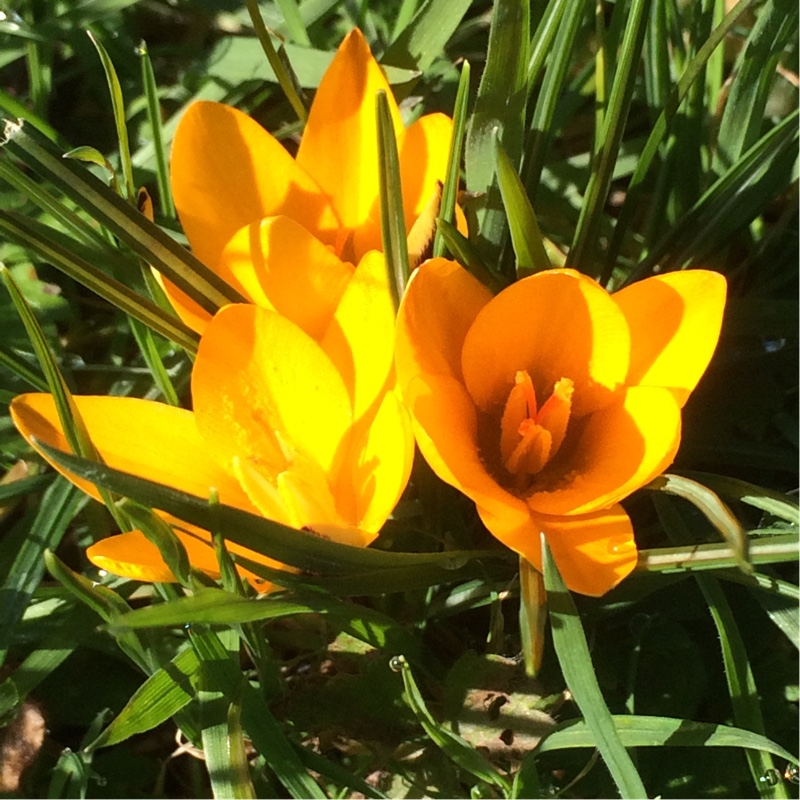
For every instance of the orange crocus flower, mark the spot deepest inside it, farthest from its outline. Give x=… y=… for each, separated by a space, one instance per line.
x=244 y=202
x=295 y=418
x=554 y=400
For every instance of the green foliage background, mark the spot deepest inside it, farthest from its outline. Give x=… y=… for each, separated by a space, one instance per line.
x=640 y=147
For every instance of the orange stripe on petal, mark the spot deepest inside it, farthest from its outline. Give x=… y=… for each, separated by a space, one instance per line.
x=675 y=322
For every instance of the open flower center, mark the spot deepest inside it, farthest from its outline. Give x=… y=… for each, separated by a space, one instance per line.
x=529 y=435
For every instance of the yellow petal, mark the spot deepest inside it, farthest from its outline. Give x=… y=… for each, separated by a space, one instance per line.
x=227 y=171
x=440 y=303
x=360 y=338
x=278 y=264
x=263 y=388
x=141 y=437
x=382 y=452
x=189 y=312
x=555 y=324
x=339 y=147
x=614 y=452
x=423 y=162
x=594 y=552
x=675 y=321
x=446 y=429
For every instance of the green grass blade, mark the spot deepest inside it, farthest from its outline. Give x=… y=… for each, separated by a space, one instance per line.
x=424 y=38
x=526 y=237
x=12 y=362
x=161 y=696
x=64 y=254
x=393 y=224
x=743 y=117
x=147 y=347
x=542 y=128
x=452 y=745
x=573 y=654
x=499 y=115
x=467 y=255
x=582 y=253
x=287 y=83
x=287 y=545
x=692 y=72
x=741 y=685
x=157 y=132
x=60 y=503
x=447 y=208
x=146 y=239
x=294 y=21
x=542 y=42
x=646 y=731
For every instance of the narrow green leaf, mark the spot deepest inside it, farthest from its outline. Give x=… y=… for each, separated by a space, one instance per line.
x=393 y=223
x=717 y=513
x=161 y=696
x=145 y=238
x=294 y=21
x=286 y=82
x=467 y=254
x=64 y=254
x=582 y=252
x=149 y=350
x=542 y=42
x=452 y=745
x=118 y=107
x=157 y=131
x=525 y=234
x=59 y=505
x=644 y=731
x=532 y=615
x=11 y=361
x=576 y=664
x=212 y=607
x=741 y=684
x=287 y=545
x=498 y=116
x=423 y=40
x=91 y=155
x=447 y=208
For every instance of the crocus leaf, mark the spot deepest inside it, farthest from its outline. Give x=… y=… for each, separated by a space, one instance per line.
x=573 y=654
x=647 y=731
x=289 y=546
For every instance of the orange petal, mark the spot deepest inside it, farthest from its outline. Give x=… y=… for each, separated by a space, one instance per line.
x=594 y=552
x=423 y=162
x=144 y=438
x=339 y=147
x=614 y=452
x=445 y=425
x=555 y=324
x=440 y=303
x=264 y=388
x=675 y=321
x=190 y=313
x=227 y=171
x=276 y=263
x=382 y=452
x=360 y=337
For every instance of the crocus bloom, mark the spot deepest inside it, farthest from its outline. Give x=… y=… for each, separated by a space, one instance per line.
x=294 y=418
x=231 y=179
x=554 y=400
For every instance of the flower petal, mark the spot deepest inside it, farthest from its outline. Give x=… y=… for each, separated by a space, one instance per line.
x=141 y=437
x=188 y=311
x=382 y=452
x=423 y=162
x=675 y=321
x=339 y=147
x=264 y=388
x=441 y=302
x=594 y=552
x=279 y=265
x=555 y=324
x=615 y=451
x=360 y=337
x=227 y=171
x=446 y=429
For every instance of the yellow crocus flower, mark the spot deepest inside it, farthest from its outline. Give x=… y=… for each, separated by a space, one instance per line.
x=554 y=400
